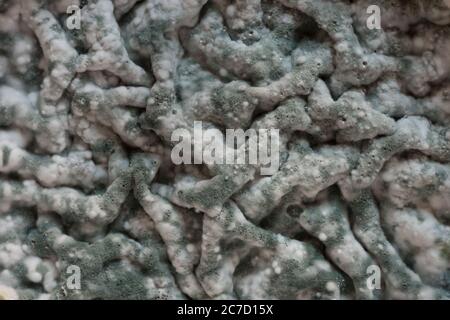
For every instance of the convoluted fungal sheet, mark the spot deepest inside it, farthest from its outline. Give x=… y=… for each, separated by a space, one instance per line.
x=123 y=123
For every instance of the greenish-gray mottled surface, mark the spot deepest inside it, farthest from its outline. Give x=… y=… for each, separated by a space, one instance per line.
x=87 y=183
